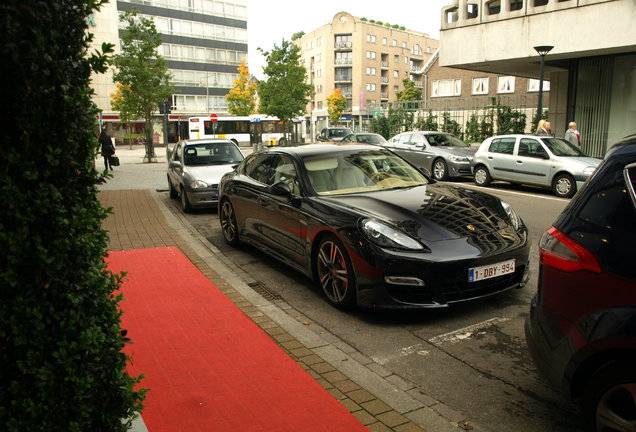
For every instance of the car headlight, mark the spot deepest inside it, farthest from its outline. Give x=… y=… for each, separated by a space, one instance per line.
x=385 y=236
x=459 y=158
x=198 y=184
x=515 y=220
x=588 y=171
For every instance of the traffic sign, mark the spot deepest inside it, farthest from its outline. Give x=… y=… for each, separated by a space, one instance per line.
x=213 y=118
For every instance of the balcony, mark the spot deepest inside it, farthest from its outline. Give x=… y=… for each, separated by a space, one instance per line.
x=384 y=80
x=385 y=64
x=384 y=95
x=343 y=45
x=343 y=61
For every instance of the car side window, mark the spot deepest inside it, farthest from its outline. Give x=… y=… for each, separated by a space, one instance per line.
x=530 y=148
x=502 y=145
x=177 y=152
x=285 y=171
x=416 y=140
x=257 y=168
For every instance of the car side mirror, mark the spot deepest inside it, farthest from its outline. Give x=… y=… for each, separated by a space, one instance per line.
x=175 y=164
x=280 y=189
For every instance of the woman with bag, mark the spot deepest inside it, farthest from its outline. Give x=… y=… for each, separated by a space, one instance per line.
x=107 y=148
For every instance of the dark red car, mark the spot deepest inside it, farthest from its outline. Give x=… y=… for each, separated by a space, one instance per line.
x=582 y=325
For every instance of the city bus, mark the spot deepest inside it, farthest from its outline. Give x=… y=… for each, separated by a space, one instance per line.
x=243 y=130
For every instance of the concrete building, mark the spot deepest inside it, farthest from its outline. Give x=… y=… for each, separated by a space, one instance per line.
x=591 y=69
x=204 y=42
x=367 y=60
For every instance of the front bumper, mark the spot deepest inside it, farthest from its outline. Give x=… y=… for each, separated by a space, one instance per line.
x=459 y=169
x=203 y=198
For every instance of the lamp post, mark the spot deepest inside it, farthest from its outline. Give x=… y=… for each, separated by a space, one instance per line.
x=543 y=50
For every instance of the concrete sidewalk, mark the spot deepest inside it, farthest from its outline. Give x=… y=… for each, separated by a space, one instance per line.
x=143 y=217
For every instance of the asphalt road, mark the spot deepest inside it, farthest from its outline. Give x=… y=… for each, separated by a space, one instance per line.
x=472 y=357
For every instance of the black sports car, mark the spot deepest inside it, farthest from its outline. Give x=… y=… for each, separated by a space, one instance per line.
x=371 y=229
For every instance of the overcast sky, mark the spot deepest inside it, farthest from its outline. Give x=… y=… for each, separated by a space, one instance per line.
x=268 y=22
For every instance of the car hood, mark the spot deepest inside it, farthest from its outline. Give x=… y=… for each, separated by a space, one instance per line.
x=432 y=213
x=211 y=174
x=456 y=151
x=583 y=161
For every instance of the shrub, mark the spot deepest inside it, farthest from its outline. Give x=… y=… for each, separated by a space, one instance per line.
x=61 y=362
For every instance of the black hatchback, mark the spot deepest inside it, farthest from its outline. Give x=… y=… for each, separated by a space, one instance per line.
x=581 y=330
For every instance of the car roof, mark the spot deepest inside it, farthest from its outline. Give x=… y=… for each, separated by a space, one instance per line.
x=320 y=149
x=206 y=141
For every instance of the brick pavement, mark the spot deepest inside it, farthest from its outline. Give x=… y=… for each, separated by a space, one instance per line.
x=138 y=222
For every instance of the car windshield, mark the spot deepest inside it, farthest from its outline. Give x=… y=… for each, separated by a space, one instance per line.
x=445 y=140
x=338 y=132
x=211 y=154
x=561 y=147
x=370 y=138
x=360 y=171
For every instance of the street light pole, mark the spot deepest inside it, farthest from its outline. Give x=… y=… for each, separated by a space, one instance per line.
x=543 y=50
x=207 y=93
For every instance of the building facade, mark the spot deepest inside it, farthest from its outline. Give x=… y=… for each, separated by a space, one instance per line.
x=591 y=67
x=367 y=60
x=204 y=42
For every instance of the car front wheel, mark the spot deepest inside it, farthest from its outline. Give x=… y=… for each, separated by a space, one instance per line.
x=173 y=192
x=440 y=170
x=564 y=186
x=185 y=203
x=335 y=273
x=609 y=400
x=228 y=223
x=482 y=176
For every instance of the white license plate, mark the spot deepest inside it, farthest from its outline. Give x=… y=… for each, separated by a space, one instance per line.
x=490 y=271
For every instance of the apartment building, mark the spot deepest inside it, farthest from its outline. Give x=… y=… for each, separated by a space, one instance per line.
x=367 y=60
x=204 y=42
x=591 y=67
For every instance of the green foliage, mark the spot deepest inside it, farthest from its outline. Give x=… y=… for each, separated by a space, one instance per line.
x=297 y=35
x=284 y=93
x=381 y=125
x=410 y=93
x=142 y=71
x=400 y=120
x=428 y=124
x=61 y=362
x=509 y=120
x=363 y=19
x=478 y=130
x=451 y=126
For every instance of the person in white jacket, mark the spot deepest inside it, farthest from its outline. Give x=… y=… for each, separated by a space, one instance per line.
x=572 y=135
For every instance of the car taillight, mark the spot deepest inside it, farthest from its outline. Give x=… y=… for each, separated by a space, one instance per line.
x=561 y=252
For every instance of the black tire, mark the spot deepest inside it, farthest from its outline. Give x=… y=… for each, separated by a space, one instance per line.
x=185 y=203
x=482 y=176
x=564 y=186
x=173 y=192
x=440 y=169
x=335 y=273
x=229 y=227
x=609 y=400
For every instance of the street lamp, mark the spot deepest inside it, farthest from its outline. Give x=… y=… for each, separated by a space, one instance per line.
x=207 y=92
x=543 y=50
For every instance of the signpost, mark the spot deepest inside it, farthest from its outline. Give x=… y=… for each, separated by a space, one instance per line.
x=214 y=119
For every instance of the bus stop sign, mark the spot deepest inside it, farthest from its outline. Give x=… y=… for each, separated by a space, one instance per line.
x=213 y=118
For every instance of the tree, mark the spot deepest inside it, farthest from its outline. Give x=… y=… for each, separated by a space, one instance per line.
x=509 y=120
x=428 y=124
x=336 y=104
x=142 y=71
x=241 y=99
x=284 y=94
x=297 y=35
x=61 y=359
x=410 y=93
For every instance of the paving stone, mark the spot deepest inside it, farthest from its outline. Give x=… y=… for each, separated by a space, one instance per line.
x=392 y=419
x=376 y=407
x=361 y=396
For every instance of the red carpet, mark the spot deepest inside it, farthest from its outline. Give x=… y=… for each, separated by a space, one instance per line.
x=207 y=365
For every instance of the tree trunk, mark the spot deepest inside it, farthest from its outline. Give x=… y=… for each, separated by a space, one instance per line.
x=150 y=148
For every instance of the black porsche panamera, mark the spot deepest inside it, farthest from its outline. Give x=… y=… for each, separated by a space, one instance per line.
x=371 y=229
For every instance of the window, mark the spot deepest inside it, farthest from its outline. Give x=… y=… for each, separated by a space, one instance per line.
x=406 y=60
x=480 y=86
x=533 y=85
x=516 y=5
x=396 y=58
x=394 y=42
x=384 y=41
x=343 y=74
x=416 y=50
x=502 y=145
x=371 y=87
x=403 y=44
x=506 y=84
x=370 y=71
x=396 y=74
x=319 y=88
x=343 y=41
x=442 y=88
x=396 y=89
x=371 y=38
x=531 y=148
x=371 y=55
x=344 y=58
x=318 y=73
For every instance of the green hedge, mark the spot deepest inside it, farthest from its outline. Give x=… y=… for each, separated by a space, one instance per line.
x=61 y=362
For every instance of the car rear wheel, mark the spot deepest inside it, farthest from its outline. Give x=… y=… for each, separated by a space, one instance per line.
x=185 y=203
x=440 y=170
x=609 y=400
x=228 y=223
x=335 y=273
x=564 y=186
x=173 y=191
x=482 y=176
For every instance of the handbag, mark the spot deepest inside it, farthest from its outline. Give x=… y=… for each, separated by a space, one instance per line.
x=113 y=160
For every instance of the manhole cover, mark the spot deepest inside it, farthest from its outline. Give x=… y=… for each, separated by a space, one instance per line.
x=260 y=288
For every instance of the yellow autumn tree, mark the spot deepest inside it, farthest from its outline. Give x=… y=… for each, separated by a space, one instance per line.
x=336 y=104
x=241 y=100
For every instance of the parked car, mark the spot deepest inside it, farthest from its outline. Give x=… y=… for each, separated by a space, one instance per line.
x=364 y=138
x=195 y=168
x=581 y=330
x=534 y=160
x=333 y=134
x=371 y=229
x=441 y=154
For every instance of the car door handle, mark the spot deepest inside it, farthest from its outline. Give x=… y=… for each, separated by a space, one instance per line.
x=519 y=162
x=490 y=158
x=262 y=202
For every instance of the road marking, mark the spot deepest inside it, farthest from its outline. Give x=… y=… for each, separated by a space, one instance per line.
x=403 y=352
x=492 y=190
x=466 y=332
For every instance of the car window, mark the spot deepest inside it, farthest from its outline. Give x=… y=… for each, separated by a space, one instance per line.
x=416 y=139
x=531 y=148
x=285 y=172
x=375 y=139
x=211 y=154
x=259 y=168
x=561 y=147
x=502 y=145
x=445 y=140
x=176 y=153
x=337 y=133
x=630 y=179
x=405 y=138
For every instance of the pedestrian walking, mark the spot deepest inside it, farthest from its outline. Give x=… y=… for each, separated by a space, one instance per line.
x=572 y=134
x=542 y=129
x=107 y=148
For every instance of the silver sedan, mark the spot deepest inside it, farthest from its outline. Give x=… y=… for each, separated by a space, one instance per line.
x=442 y=154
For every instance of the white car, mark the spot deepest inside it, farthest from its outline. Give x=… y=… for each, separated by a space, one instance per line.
x=195 y=168
x=533 y=160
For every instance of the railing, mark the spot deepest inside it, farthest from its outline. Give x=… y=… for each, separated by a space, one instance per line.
x=385 y=65
x=341 y=45
x=344 y=61
x=384 y=95
x=384 y=80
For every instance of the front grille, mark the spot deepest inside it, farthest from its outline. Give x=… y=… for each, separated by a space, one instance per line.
x=452 y=291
